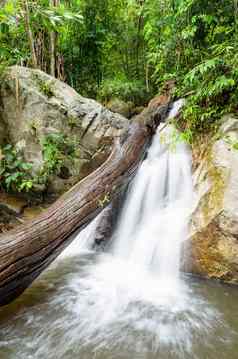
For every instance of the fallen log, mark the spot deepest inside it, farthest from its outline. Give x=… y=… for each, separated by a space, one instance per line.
x=27 y=250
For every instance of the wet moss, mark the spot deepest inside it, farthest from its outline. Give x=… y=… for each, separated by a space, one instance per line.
x=207 y=258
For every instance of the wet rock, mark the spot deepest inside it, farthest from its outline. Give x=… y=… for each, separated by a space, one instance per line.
x=107 y=223
x=12 y=205
x=125 y=109
x=137 y=110
x=213 y=248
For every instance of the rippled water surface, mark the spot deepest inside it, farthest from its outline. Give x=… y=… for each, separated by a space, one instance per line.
x=49 y=321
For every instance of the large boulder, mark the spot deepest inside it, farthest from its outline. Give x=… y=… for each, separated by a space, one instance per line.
x=36 y=108
x=212 y=250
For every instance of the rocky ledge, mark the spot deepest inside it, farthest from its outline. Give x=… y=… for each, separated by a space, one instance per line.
x=212 y=250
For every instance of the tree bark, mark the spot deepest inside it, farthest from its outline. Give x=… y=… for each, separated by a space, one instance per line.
x=29 y=33
x=53 y=43
x=27 y=250
x=52 y=53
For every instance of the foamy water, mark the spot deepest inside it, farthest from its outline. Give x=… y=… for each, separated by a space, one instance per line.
x=130 y=302
x=137 y=286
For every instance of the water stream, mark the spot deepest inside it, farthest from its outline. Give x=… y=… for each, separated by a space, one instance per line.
x=130 y=301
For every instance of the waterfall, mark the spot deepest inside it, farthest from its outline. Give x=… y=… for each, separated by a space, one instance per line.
x=154 y=221
x=129 y=301
x=134 y=290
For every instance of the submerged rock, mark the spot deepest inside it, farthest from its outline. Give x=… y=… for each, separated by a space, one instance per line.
x=213 y=248
x=11 y=204
x=107 y=223
x=35 y=107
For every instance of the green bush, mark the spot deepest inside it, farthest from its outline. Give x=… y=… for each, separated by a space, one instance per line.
x=214 y=84
x=14 y=171
x=123 y=89
x=56 y=147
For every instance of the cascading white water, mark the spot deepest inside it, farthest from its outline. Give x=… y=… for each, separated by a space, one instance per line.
x=129 y=302
x=135 y=289
x=155 y=218
x=83 y=242
x=143 y=263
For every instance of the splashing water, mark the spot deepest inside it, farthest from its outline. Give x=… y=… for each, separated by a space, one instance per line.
x=136 y=287
x=83 y=242
x=132 y=301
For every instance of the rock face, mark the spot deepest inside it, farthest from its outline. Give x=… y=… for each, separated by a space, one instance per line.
x=126 y=109
x=123 y=108
x=35 y=106
x=213 y=247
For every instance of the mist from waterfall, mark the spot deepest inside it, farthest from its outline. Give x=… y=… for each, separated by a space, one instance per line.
x=135 y=288
x=130 y=301
x=155 y=218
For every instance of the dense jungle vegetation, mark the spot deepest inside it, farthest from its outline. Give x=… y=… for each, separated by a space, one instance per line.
x=129 y=48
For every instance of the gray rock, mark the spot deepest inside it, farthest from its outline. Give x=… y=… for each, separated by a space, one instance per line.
x=125 y=109
x=213 y=245
x=34 y=105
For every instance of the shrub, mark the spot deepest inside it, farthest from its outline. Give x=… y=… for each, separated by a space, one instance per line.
x=15 y=173
x=56 y=147
x=123 y=89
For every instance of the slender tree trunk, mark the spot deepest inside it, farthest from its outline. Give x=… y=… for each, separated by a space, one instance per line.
x=236 y=14
x=53 y=43
x=139 y=41
x=29 y=33
x=52 y=53
x=147 y=77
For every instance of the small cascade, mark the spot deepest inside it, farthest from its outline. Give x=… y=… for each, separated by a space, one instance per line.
x=154 y=221
x=83 y=242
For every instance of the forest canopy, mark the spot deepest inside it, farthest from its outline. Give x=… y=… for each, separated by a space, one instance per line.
x=128 y=49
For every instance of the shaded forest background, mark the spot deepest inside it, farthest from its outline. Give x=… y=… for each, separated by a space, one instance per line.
x=128 y=49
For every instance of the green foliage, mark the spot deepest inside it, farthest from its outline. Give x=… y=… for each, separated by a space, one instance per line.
x=45 y=87
x=128 y=49
x=103 y=202
x=55 y=149
x=196 y=44
x=54 y=17
x=107 y=47
x=14 y=171
x=44 y=19
x=123 y=89
x=233 y=143
x=13 y=42
x=213 y=82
